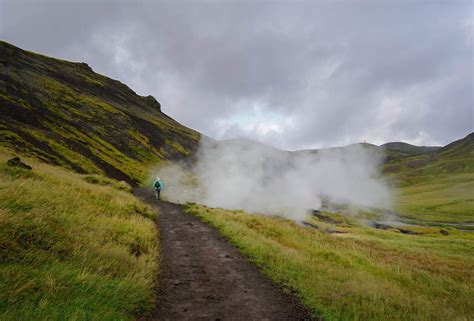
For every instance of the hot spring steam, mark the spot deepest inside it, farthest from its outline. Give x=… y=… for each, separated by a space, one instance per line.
x=240 y=174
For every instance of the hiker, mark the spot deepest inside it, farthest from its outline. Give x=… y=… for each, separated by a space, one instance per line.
x=157 y=187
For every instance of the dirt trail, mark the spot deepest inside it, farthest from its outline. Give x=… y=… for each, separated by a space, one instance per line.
x=202 y=277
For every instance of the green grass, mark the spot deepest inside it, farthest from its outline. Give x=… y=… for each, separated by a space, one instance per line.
x=73 y=247
x=436 y=187
x=443 y=198
x=362 y=274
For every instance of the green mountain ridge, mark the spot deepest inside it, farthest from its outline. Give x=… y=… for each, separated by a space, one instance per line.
x=65 y=114
x=389 y=151
x=456 y=157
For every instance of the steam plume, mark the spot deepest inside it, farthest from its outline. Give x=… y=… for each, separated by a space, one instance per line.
x=241 y=174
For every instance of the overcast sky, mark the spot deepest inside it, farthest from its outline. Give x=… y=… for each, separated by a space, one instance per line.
x=292 y=74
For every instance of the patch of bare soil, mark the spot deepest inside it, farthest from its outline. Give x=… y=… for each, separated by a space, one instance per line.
x=203 y=277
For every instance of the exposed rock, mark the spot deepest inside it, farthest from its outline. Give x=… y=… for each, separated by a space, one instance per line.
x=444 y=232
x=152 y=102
x=381 y=226
x=16 y=162
x=86 y=66
x=408 y=232
x=385 y=227
x=323 y=217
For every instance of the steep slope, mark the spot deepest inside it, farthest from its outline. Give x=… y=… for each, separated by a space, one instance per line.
x=64 y=113
x=462 y=148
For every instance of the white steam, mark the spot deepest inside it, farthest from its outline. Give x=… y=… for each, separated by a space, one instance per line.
x=241 y=174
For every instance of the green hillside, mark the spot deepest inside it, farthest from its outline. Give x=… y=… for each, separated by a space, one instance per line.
x=398 y=150
x=77 y=246
x=436 y=187
x=65 y=114
x=72 y=249
x=457 y=157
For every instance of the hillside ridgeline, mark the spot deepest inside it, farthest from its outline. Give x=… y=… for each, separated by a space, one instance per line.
x=65 y=114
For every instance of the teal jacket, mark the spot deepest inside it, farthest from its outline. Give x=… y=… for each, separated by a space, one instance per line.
x=158 y=185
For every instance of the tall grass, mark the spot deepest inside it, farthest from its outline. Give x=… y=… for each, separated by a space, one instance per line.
x=362 y=274
x=71 y=249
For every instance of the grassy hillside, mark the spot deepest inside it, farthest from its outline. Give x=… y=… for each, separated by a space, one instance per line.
x=65 y=114
x=457 y=157
x=351 y=272
x=77 y=246
x=436 y=186
x=397 y=150
x=71 y=249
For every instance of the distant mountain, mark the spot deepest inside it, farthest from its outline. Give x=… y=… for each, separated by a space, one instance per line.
x=456 y=157
x=400 y=149
x=66 y=114
x=392 y=153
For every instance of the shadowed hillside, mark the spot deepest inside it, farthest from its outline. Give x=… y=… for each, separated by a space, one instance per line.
x=65 y=114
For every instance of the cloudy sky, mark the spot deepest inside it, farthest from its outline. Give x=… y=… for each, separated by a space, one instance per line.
x=291 y=73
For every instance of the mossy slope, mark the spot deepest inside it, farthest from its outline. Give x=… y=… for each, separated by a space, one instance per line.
x=63 y=113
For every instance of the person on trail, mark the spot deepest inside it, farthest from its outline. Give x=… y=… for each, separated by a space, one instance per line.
x=157 y=187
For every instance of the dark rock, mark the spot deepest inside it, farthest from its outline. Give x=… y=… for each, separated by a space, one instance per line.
x=380 y=226
x=444 y=232
x=152 y=102
x=86 y=66
x=16 y=162
x=323 y=218
x=408 y=232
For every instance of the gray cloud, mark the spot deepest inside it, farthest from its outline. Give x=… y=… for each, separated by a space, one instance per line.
x=294 y=74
